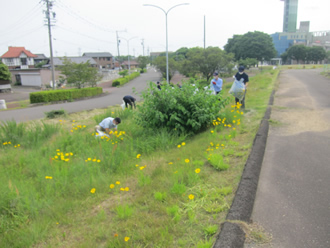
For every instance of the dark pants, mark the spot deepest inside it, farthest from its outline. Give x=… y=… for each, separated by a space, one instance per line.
x=129 y=101
x=242 y=101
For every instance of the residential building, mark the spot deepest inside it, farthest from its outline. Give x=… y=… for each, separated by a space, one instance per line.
x=104 y=59
x=18 y=58
x=40 y=58
x=58 y=61
x=132 y=64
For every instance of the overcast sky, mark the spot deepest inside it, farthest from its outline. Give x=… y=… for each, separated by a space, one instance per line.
x=90 y=26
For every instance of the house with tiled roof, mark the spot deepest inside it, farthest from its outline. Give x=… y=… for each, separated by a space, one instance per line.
x=18 y=58
x=103 y=59
x=130 y=64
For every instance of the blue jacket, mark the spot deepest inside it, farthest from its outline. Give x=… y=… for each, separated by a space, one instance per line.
x=217 y=86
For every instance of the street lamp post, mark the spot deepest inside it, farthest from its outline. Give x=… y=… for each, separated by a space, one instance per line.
x=166 y=12
x=129 y=65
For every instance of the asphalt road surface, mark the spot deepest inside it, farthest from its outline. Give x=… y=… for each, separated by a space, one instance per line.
x=114 y=97
x=293 y=196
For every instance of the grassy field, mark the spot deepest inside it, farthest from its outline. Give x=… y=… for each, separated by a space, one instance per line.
x=60 y=186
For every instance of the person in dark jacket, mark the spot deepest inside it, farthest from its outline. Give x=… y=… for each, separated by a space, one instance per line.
x=129 y=100
x=159 y=85
x=242 y=75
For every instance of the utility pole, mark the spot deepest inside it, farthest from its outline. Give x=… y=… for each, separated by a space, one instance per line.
x=49 y=5
x=204 y=31
x=142 y=43
x=118 y=41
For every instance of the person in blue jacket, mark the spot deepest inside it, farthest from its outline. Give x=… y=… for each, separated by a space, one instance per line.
x=216 y=83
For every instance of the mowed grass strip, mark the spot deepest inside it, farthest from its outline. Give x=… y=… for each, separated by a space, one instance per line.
x=137 y=189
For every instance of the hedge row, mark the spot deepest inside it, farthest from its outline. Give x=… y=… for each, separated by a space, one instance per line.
x=126 y=79
x=62 y=95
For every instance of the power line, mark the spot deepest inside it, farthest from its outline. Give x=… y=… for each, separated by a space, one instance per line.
x=26 y=19
x=93 y=38
x=21 y=36
x=75 y=15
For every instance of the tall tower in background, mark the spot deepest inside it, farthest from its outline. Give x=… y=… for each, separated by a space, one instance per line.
x=290 y=15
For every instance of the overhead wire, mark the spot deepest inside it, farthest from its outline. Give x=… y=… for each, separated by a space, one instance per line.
x=75 y=15
x=23 y=35
x=90 y=37
x=23 y=20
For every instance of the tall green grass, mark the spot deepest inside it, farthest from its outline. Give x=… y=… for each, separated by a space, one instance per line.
x=63 y=187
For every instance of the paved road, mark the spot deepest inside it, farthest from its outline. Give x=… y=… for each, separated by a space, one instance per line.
x=293 y=196
x=114 y=97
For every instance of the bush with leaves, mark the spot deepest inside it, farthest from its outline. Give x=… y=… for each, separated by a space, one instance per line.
x=185 y=110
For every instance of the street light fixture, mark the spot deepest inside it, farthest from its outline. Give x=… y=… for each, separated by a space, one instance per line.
x=127 y=40
x=166 y=12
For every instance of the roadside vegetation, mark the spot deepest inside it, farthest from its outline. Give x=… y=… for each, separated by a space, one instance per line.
x=146 y=186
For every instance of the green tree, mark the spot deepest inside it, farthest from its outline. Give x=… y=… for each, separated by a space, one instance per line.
x=257 y=45
x=181 y=54
x=327 y=57
x=248 y=62
x=123 y=73
x=206 y=61
x=143 y=61
x=4 y=72
x=297 y=52
x=79 y=75
x=315 y=54
x=284 y=57
x=160 y=63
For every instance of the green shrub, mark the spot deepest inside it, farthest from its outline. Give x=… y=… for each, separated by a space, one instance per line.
x=55 y=113
x=183 y=111
x=115 y=83
x=62 y=95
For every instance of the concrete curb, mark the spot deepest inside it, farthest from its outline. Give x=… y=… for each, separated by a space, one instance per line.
x=231 y=234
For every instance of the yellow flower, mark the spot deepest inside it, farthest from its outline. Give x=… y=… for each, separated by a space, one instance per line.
x=191 y=197
x=57 y=150
x=138 y=156
x=98 y=161
x=198 y=170
x=137 y=165
x=118 y=182
x=212 y=131
x=170 y=163
x=127 y=189
x=94 y=160
x=89 y=159
x=122 y=189
x=142 y=167
x=18 y=145
x=126 y=239
x=187 y=160
x=112 y=186
x=93 y=190
x=179 y=146
x=71 y=154
x=183 y=144
x=57 y=223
